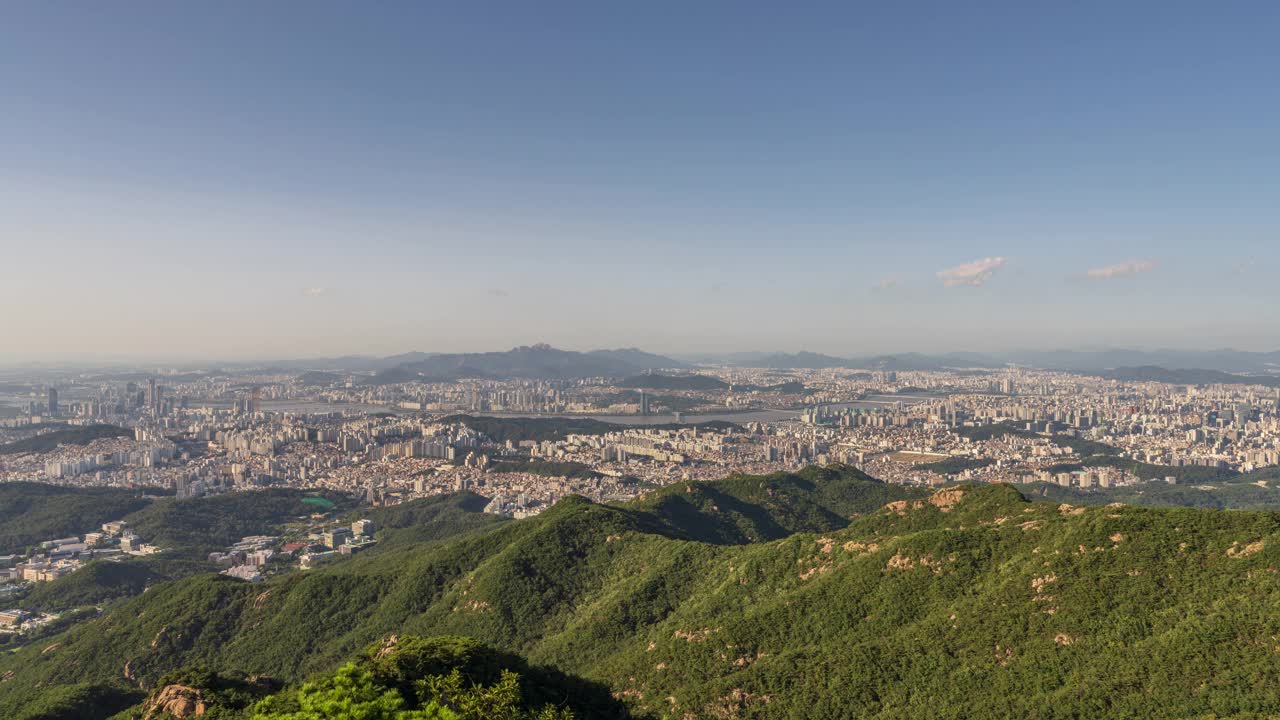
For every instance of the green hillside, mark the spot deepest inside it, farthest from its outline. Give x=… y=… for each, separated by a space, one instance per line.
x=33 y=512
x=79 y=435
x=224 y=516
x=549 y=468
x=1148 y=471
x=751 y=508
x=1080 y=446
x=97 y=582
x=968 y=603
x=398 y=678
x=429 y=519
x=1223 y=490
x=955 y=465
x=187 y=530
x=200 y=525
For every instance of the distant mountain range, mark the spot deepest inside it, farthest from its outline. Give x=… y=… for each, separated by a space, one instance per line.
x=347 y=363
x=808 y=360
x=628 y=361
x=1154 y=373
x=545 y=362
x=813 y=361
x=541 y=362
x=1225 y=361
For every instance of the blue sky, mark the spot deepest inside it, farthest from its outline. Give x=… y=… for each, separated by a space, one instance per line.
x=244 y=179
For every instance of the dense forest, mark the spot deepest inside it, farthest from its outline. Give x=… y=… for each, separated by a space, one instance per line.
x=33 y=512
x=199 y=526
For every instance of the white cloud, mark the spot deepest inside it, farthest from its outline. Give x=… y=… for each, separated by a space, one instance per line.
x=314 y=291
x=971 y=273
x=1132 y=267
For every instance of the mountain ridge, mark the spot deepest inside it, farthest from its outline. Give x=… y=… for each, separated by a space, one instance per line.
x=541 y=362
x=1234 y=362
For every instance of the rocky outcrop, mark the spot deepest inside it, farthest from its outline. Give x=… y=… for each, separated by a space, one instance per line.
x=178 y=701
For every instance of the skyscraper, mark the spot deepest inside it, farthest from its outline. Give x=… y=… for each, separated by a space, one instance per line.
x=153 y=396
x=53 y=401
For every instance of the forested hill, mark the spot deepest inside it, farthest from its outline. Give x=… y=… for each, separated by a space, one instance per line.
x=33 y=512
x=751 y=508
x=534 y=361
x=79 y=435
x=403 y=677
x=968 y=603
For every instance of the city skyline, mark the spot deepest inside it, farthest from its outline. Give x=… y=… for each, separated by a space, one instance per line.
x=241 y=182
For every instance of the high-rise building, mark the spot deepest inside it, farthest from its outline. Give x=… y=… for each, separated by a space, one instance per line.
x=153 y=395
x=53 y=401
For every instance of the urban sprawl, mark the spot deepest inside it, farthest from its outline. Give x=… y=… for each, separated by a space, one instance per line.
x=523 y=444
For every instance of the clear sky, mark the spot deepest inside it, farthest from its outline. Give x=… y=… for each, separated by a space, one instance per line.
x=276 y=179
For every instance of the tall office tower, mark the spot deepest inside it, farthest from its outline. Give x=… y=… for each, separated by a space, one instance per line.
x=153 y=396
x=53 y=401
x=644 y=403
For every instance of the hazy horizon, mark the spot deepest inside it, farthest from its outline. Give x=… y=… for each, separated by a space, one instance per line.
x=301 y=180
x=675 y=354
